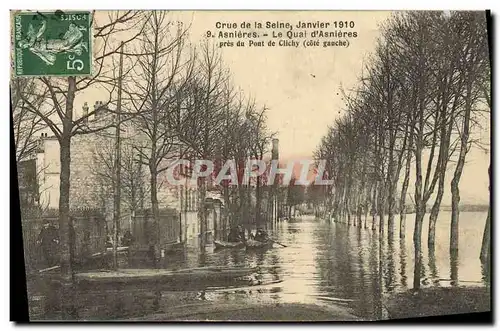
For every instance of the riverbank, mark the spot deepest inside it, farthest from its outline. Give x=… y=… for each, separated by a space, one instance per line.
x=437 y=301
x=281 y=312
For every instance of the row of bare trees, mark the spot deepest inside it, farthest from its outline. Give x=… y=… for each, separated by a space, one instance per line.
x=415 y=114
x=177 y=99
x=181 y=104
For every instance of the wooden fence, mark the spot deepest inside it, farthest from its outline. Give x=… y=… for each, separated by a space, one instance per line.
x=88 y=224
x=146 y=231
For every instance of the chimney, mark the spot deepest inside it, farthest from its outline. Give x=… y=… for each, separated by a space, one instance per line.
x=98 y=109
x=96 y=106
x=40 y=143
x=275 y=150
x=85 y=112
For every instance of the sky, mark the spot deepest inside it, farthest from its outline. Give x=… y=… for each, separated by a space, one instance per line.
x=300 y=87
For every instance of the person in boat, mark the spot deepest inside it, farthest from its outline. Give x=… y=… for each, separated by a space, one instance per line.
x=127 y=239
x=242 y=233
x=48 y=240
x=109 y=241
x=235 y=234
x=261 y=236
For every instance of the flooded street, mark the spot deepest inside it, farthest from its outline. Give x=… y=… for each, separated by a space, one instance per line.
x=324 y=264
x=336 y=264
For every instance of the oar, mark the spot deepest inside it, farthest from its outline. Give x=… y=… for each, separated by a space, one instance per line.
x=277 y=242
x=48 y=269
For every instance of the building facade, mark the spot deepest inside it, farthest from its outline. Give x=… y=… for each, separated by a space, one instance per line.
x=91 y=176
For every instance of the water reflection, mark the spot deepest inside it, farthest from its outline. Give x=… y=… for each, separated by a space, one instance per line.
x=402 y=263
x=324 y=263
x=391 y=269
x=433 y=271
x=454 y=267
x=485 y=271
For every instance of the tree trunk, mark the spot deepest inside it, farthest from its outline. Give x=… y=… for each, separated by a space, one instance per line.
x=355 y=207
x=380 y=180
x=455 y=201
x=359 y=213
x=455 y=182
x=227 y=206
x=391 y=207
x=391 y=185
x=65 y=221
x=366 y=218
x=446 y=127
x=339 y=191
x=202 y=216
x=153 y=233
x=431 y=237
x=270 y=205
x=381 y=211
x=258 y=198
x=374 y=207
x=404 y=188
x=367 y=197
x=65 y=224
x=485 y=246
x=402 y=201
x=347 y=207
x=249 y=199
x=419 y=206
x=417 y=243
x=242 y=207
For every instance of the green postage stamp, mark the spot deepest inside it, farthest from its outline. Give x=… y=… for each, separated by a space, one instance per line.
x=53 y=43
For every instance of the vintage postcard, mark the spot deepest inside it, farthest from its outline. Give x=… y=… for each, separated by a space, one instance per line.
x=252 y=166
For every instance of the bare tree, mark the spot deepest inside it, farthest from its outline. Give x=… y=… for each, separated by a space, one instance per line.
x=485 y=245
x=475 y=68
x=132 y=179
x=161 y=73
x=418 y=91
x=26 y=124
x=204 y=120
x=58 y=114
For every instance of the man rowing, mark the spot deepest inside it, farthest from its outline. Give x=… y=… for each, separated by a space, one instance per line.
x=261 y=236
x=236 y=234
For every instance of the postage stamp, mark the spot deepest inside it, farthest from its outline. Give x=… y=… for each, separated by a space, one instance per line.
x=53 y=43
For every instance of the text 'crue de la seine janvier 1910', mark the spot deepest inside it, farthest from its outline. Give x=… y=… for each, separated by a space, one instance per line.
x=284 y=34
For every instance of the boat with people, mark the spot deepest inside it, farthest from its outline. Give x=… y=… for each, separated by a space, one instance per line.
x=261 y=240
x=235 y=239
x=226 y=244
x=255 y=244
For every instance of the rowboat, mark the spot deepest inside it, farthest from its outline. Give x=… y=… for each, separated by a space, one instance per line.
x=254 y=244
x=227 y=244
x=193 y=277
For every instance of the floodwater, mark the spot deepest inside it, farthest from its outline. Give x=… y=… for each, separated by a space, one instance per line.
x=326 y=264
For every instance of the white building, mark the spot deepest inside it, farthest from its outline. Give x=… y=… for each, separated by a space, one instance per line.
x=88 y=187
